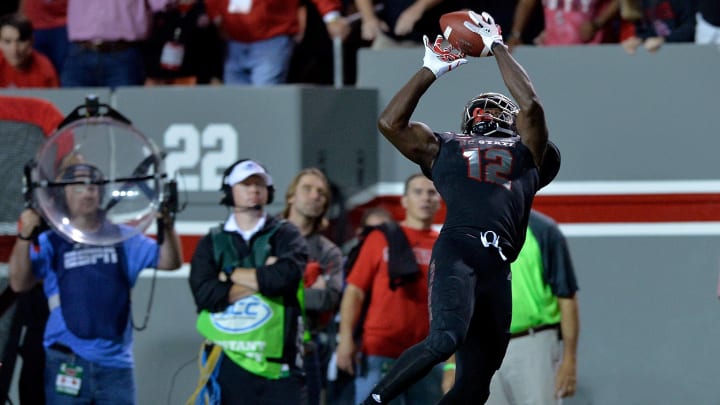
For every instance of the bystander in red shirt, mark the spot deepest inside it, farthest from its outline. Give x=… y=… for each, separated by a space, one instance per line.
x=38 y=73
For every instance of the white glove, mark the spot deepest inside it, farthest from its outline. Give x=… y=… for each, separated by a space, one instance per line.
x=487 y=29
x=441 y=57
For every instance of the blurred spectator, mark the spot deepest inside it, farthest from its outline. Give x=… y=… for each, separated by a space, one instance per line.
x=662 y=21
x=106 y=38
x=88 y=336
x=371 y=217
x=341 y=385
x=28 y=120
x=630 y=12
x=306 y=203
x=386 y=296
x=184 y=47
x=49 y=20
x=707 y=29
x=9 y=6
x=20 y=64
x=567 y=22
x=27 y=317
x=312 y=60
x=395 y=23
x=503 y=11
x=261 y=34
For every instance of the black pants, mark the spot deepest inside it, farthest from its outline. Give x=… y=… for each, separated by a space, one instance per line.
x=240 y=387
x=314 y=376
x=470 y=309
x=30 y=312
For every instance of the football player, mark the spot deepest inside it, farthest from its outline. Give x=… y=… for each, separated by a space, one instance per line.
x=488 y=176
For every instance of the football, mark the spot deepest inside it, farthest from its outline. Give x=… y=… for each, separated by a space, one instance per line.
x=458 y=35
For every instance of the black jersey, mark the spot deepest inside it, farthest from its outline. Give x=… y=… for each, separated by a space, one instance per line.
x=488 y=184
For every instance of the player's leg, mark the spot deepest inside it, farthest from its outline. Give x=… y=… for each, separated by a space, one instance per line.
x=451 y=287
x=428 y=390
x=488 y=335
x=368 y=374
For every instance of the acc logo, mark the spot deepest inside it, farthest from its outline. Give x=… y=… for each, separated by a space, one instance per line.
x=243 y=316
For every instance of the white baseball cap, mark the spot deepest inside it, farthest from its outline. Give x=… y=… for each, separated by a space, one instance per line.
x=245 y=169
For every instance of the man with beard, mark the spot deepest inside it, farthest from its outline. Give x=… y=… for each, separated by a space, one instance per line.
x=306 y=203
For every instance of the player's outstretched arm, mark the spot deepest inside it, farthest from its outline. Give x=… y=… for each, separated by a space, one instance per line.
x=416 y=140
x=531 y=123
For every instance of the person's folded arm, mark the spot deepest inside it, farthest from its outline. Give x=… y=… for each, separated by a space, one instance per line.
x=284 y=275
x=209 y=292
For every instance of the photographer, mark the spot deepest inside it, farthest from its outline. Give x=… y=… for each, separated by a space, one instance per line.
x=88 y=337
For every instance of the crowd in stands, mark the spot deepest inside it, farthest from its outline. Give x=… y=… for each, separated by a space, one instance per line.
x=71 y=43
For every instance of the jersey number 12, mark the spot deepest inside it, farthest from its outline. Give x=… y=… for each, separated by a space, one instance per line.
x=491 y=165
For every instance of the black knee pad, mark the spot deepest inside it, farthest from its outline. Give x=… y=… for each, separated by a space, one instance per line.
x=442 y=343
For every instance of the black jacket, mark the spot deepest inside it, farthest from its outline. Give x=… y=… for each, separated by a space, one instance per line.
x=279 y=279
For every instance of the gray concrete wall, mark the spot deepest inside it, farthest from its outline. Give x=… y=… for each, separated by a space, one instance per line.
x=650 y=320
x=599 y=101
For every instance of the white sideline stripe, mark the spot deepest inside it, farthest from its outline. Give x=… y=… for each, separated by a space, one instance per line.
x=572 y=188
x=558 y=188
x=182 y=272
x=631 y=187
x=577 y=230
x=583 y=230
x=190 y=227
x=376 y=190
x=555 y=188
x=624 y=229
x=660 y=229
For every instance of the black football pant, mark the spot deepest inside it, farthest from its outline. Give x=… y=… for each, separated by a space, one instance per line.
x=241 y=387
x=470 y=313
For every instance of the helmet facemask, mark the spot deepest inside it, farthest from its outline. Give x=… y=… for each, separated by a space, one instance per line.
x=490 y=114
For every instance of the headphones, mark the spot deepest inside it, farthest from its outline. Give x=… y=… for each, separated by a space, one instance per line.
x=227 y=198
